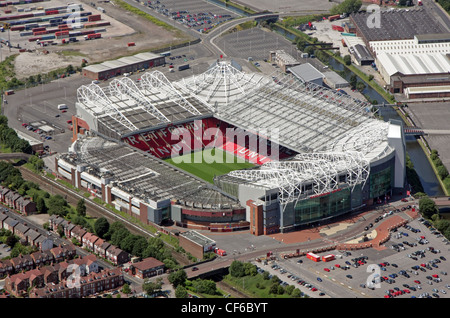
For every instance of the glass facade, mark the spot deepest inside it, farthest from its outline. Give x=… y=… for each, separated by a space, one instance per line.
x=381 y=182
x=323 y=206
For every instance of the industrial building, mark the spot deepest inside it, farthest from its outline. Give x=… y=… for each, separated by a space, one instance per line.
x=123 y=65
x=282 y=59
x=307 y=73
x=398 y=24
x=420 y=44
x=332 y=155
x=411 y=52
x=334 y=80
x=415 y=70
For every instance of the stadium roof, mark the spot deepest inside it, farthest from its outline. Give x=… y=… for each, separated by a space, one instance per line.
x=323 y=170
x=334 y=133
x=144 y=176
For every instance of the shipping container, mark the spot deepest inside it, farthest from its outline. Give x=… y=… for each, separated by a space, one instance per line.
x=93 y=36
x=52 y=12
x=38 y=29
x=333 y=17
x=95 y=17
x=40 y=33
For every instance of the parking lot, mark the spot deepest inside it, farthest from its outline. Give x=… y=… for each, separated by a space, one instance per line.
x=255 y=42
x=413 y=263
x=197 y=15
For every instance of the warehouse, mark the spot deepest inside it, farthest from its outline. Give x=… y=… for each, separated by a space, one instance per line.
x=397 y=25
x=333 y=80
x=307 y=73
x=123 y=65
x=421 y=44
x=414 y=70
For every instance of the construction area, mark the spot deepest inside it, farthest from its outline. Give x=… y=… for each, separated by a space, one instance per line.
x=52 y=34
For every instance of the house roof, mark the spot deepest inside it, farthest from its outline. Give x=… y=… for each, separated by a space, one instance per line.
x=32 y=234
x=22 y=228
x=148 y=263
x=11 y=222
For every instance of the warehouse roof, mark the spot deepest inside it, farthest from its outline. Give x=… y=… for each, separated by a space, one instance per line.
x=411 y=64
x=398 y=24
x=306 y=72
x=410 y=46
x=124 y=61
x=335 y=78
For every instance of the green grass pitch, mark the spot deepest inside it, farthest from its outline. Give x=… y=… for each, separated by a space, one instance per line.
x=208 y=163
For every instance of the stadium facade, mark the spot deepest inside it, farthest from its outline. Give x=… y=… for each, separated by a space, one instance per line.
x=317 y=154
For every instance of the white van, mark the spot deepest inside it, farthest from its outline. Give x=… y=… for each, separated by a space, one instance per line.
x=62 y=106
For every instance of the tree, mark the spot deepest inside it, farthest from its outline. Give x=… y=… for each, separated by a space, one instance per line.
x=81 y=207
x=301 y=43
x=296 y=293
x=127 y=244
x=348 y=6
x=347 y=59
x=177 y=278
x=353 y=81
x=152 y=287
x=57 y=205
x=205 y=286
x=427 y=207
x=118 y=236
x=181 y=292
x=126 y=289
x=41 y=206
x=237 y=269
x=11 y=240
x=139 y=246
x=309 y=50
x=442 y=172
x=69 y=69
x=360 y=86
x=101 y=226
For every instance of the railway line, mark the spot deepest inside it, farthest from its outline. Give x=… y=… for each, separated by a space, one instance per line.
x=72 y=198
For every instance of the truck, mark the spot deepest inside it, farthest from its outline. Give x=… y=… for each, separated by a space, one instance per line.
x=220 y=252
x=328 y=258
x=92 y=36
x=183 y=67
x=313 y=257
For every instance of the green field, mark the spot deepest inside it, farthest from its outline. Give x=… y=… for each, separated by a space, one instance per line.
x=208 y=163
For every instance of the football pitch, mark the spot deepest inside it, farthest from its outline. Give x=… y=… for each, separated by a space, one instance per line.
x=208 y=163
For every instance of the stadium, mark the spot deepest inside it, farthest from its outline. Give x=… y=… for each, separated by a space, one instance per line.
x=227 y=150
